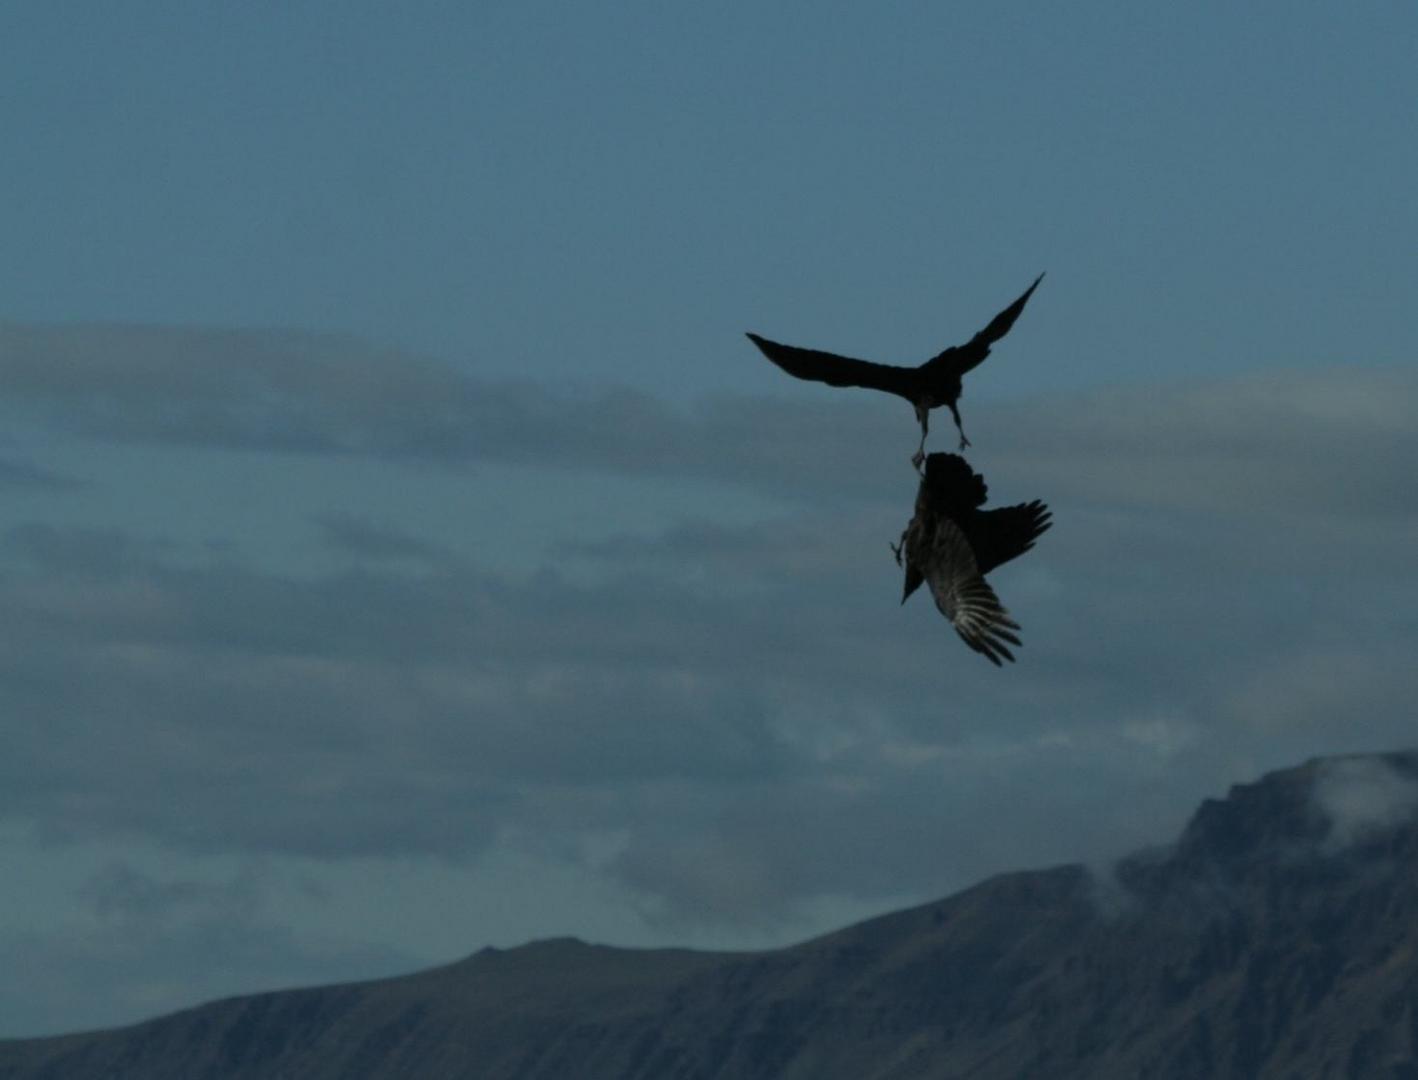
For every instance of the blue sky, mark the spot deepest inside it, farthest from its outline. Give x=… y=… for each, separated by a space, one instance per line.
x=405 y=551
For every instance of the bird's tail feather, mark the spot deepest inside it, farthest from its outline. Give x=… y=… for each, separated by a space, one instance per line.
x=952 y=485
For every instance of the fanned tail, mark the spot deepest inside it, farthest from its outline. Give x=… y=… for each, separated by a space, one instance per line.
x=952 y=486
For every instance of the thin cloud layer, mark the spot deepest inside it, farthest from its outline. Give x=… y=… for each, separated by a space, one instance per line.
x=313 y=394
x=21 y=474
x=753 y=691
x=1270 y=443
x=1331 y=442
x=1363 y=796
x=363 y=539
x=129 y=951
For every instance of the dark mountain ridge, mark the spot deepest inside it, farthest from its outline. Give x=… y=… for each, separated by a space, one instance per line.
x=1277 y=938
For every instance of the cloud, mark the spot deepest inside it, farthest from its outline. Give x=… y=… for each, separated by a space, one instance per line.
x=19 y=474
x=129 y=952
x=545 y=675
x=1360 y=796
x=749 y=710
x=244 y=389
x=734 y=722
x=122 y=894
x=363 y=711
x=314 y=394
x=365 y=539
x=1331 y=443
x=636 y=686
x=1303 y=689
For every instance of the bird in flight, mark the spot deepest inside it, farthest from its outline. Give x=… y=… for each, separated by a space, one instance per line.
x=934 y=383
x=951 y=544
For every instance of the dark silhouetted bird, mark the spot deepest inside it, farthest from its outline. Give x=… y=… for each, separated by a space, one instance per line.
x=951 y=544
x=934 y=383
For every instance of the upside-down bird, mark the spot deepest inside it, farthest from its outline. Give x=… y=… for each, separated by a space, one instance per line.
x=951 y=544
x=934 y=383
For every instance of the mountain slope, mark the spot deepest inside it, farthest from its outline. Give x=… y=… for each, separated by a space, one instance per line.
x=1277 y=938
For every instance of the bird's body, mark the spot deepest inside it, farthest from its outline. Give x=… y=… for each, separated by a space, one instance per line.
x=951 y=544
x=935 y=383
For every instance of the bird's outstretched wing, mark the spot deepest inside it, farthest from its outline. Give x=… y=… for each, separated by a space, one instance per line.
x=967 y=357
x=964 y=596
x=1008 y=532
x=834 y=370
